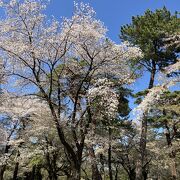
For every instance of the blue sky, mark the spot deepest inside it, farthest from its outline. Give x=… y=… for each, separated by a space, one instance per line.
x=113 y=13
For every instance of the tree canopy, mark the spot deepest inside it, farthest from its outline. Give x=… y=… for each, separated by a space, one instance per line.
x=65 y=93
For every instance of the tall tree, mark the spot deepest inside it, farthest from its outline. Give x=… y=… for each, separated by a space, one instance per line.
x=89 y=62
x=148 y=32
x=154 y=94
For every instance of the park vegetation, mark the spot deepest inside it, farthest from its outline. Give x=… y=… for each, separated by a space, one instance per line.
x=65 y=92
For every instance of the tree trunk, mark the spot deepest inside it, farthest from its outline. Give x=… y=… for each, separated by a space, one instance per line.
x=3 y=167
x=153 y=73
x=16 y=171
x=51 y=162
x=145 y=173
x=54 y=167
x=75 y=174
x=109 y=157
x=172 y=154
x=132 y=174
x=6 y=150
x=16 y=167
x=116 y=173
x=142 y=156
x=38 y=175
x=33 y=172
x=2 y=170
x=102 y=172
x=140 y=166
x=95 y=172
x=50 y=168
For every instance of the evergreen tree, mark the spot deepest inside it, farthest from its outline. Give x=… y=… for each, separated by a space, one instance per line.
x=149 y=32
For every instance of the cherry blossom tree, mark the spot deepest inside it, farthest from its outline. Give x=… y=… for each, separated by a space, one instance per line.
x=65 y=65
x=64 y=103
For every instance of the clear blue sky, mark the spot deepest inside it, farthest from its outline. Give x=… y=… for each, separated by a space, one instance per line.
x=113 y=13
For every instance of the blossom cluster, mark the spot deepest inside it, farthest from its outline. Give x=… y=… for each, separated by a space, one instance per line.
x=106 y=97
x=154 y=94
x=151 y=99
x=173 y=67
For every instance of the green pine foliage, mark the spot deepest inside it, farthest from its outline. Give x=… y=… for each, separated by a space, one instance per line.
x=148 y=32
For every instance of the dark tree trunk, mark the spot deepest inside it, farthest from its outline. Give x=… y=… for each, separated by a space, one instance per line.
x=2 y=170
x=33 y=172
x=50 y=168
x=95 y=172
x=109 y=157
x=16 y=171
x=51 y=162
x=132 y=174
x=145 y=173
x=54 y=166
x=38 y=175
x=30 y=175
x=76 y=167
x=73 y=157
x=75 y=174
x=27 y=176
x=142 y=155
x=102 y=164
x=116 y=173
x=16 y=168
x=141 y=172
x=3 y=167
x=172 y=153
x=153 y=73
